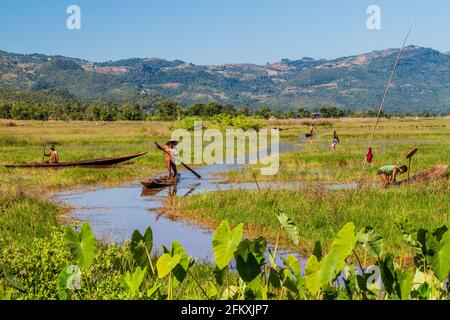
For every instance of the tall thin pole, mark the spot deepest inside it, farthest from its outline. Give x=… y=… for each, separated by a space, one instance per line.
x=386 y=90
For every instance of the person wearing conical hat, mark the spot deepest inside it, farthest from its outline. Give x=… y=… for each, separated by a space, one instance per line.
x=171 y=156
x=54 y=157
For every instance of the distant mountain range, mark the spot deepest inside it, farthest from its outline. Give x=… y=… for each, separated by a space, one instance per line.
x=422 y=80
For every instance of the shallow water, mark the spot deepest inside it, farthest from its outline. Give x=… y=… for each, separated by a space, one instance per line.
x=114 y=213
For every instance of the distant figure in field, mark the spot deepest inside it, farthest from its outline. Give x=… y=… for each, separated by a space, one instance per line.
x=172 y=151
x=388 y=173
x=311 y=132
x=335 y=136
x=335 y=140
x=54 y=158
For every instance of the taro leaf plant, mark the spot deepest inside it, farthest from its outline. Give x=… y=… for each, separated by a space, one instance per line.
x=173 y=262
x=141 y=248
x=432 y=259
x=83 y=249
x=134 y=281
x=81 y=244
x=225 y=242
x=287 y=225
x=320 y=274
x=327 y=275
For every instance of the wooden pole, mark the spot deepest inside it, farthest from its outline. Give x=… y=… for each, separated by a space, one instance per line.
x=43 y=154
x=409 y=167
x=386 y=90
x=256 y=181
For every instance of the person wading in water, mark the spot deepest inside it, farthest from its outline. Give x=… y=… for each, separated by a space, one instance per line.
x=170 y=147
x=388 y=173
x=54 y=158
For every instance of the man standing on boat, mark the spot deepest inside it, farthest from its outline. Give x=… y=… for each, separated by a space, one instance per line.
x=54 y=158
x=171 y=156
x=388 y=173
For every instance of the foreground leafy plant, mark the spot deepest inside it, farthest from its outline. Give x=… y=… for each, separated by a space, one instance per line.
x=242 y=272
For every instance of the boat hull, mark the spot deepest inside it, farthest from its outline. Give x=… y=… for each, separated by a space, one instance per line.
x=436 y=172
x=160 y=182
x=95 y=163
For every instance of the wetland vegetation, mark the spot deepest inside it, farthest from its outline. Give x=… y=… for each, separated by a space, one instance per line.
x=37 y=246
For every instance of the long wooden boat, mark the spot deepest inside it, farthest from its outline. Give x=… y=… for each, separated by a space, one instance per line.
x=161 y=182
x=436 y=172
x=102 y=162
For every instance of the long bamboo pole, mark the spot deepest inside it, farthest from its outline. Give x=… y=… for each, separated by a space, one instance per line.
x=386 y=90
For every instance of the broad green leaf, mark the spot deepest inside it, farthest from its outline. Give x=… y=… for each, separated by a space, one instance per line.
x=211 y=291
x=219 y=275
x=250 y=258
x=275 y=278
x=405 y=282
x=387 y=273
x=225 y=242
x=288 y=225
x=141 y=246
x=134 y=281
x=62 y=283
x=247 y=267
x=166 y=263
x=257 y=247
x=440 y=260
x=371 y=241
x=81 y=244
x=317 y=251
x=180 y=270
x=152 y=290
x=293 y=264
x=312 y=275
x=341 y=248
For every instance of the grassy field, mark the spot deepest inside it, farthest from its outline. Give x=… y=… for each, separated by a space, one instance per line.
x=316 y=161
x=319 y=213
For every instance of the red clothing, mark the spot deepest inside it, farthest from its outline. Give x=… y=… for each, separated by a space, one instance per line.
x=369 y=156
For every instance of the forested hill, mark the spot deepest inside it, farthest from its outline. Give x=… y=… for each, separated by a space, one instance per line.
x=356 y=82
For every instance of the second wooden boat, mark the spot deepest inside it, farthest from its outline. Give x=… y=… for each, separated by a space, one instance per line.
x=436 y=172
x=161 y=182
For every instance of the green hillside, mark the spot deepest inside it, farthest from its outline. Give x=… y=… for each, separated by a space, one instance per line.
x=356 y=82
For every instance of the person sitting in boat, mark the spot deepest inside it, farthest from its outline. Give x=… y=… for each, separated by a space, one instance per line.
x=388 y=173
x=54 y=158
x=171 y=156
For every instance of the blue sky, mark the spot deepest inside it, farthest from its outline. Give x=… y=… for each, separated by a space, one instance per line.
x=219 y=31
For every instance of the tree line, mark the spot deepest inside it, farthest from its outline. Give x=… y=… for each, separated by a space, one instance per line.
x=48 y=106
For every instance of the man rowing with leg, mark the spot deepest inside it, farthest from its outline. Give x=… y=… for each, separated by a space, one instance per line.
x=388 y=173
x=171 y=155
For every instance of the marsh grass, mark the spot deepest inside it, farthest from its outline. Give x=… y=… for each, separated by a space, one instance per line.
x=320 y=213
x=24 y=217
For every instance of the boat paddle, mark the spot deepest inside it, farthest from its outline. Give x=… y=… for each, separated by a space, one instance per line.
x=183 y=164
x=43 y=153
x=409 y=156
